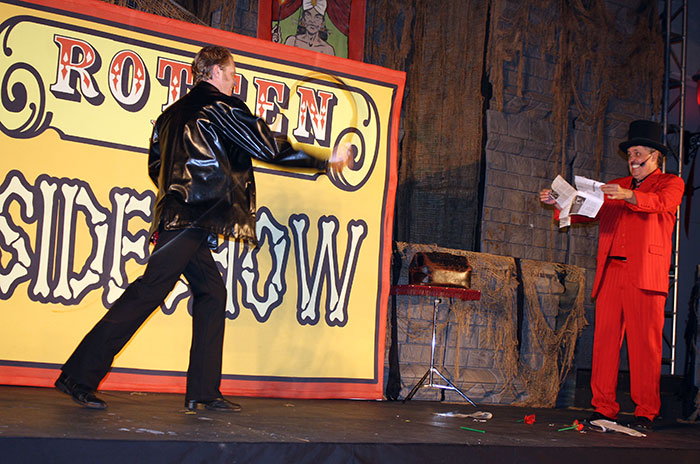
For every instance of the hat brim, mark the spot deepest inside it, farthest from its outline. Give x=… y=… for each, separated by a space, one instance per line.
x=644 y=143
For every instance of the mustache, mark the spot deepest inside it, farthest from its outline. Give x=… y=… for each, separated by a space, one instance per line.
x=639 y=165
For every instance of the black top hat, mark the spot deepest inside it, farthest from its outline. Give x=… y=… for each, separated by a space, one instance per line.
x=647 y=134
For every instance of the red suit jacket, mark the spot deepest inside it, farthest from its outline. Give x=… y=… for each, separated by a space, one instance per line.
x=648 y=227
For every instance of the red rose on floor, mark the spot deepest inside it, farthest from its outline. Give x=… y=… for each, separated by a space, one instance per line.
x=530 y=419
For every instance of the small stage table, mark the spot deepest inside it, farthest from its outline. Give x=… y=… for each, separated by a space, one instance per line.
x=436 y=292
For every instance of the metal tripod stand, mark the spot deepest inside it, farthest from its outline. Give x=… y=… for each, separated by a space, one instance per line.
x=432 y=370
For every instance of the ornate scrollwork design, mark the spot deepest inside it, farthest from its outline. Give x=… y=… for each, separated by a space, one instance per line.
x=30 y=107
x=358 y=172
x=364 y=158
x=344 y=179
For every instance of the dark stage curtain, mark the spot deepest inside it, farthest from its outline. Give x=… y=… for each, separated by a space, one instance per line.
x=441 y=48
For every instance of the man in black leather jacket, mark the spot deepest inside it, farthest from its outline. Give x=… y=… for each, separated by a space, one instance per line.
x=200 y=161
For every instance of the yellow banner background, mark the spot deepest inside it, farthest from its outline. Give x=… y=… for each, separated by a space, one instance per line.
x=75 y=203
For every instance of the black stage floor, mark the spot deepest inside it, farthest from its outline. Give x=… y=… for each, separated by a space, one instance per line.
x=42 y=425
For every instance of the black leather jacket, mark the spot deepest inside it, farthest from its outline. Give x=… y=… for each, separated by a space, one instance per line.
x=200 y=161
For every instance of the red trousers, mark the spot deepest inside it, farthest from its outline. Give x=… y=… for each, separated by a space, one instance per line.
x=622 y=309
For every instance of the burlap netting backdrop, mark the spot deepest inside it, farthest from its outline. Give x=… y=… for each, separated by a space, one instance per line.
x=169 y=9
x=449 y=62
x=553 y=318
x=593 y=45
x=440 y=46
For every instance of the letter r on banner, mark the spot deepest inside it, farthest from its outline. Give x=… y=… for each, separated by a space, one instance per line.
x=77 y=63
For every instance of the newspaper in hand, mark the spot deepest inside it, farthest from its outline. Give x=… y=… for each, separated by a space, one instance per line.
x=586 y=199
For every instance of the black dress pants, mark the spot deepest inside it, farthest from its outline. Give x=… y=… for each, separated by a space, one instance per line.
x=177 y=252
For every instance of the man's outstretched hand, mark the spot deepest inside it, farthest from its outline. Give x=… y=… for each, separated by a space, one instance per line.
x=343 y=156
x=546 y=197
x=617 y=192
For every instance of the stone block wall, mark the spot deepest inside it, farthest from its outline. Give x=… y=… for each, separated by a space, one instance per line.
x=522 y=157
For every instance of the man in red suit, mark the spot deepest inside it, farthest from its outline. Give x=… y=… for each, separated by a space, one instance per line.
x=631 y=281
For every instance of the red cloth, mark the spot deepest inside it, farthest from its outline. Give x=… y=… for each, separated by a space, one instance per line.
x=437 y=291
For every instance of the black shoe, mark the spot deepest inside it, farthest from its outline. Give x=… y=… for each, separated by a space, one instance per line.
x=217 y=404
x=598 y=416
x=641 y=423
x=81 y=394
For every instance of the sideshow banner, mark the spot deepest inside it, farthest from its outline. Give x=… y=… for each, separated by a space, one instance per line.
x=81 y=84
